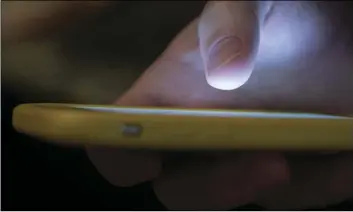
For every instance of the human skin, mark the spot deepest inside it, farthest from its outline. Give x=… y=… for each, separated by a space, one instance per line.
x=319 y=82
x=316 y=78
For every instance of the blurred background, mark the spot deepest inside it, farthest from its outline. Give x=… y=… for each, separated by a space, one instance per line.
x=85 y=51
x=76 y=52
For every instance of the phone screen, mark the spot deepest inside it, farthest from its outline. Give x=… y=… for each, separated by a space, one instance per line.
x=210 y=113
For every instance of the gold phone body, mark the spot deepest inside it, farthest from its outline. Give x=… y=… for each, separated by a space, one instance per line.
x=183 y=129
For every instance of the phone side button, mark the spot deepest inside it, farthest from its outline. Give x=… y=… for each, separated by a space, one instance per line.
x=131 y=130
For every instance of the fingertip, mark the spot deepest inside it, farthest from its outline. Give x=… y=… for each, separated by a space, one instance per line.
x=271 y=170
x=228 y=78
x=125 y=168
x=228 y=64
x=229 y=40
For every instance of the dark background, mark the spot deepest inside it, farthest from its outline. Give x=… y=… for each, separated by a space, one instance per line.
x=92 y=61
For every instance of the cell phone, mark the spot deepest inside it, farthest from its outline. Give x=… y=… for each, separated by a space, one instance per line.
x=183 y=129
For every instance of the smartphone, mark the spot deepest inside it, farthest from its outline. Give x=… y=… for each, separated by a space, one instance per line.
x=183 y=129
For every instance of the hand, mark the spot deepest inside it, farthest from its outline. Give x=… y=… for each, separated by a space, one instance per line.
x=319 y=82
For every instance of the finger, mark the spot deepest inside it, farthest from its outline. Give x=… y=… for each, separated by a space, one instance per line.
x=229 y=39
x=219 y=182
x=316 y=182
x=123 y=167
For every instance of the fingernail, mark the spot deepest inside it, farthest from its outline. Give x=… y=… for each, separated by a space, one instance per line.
x=222 y=53
x=226 y=69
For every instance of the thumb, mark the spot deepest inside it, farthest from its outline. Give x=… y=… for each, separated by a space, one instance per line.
x=229 y=39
